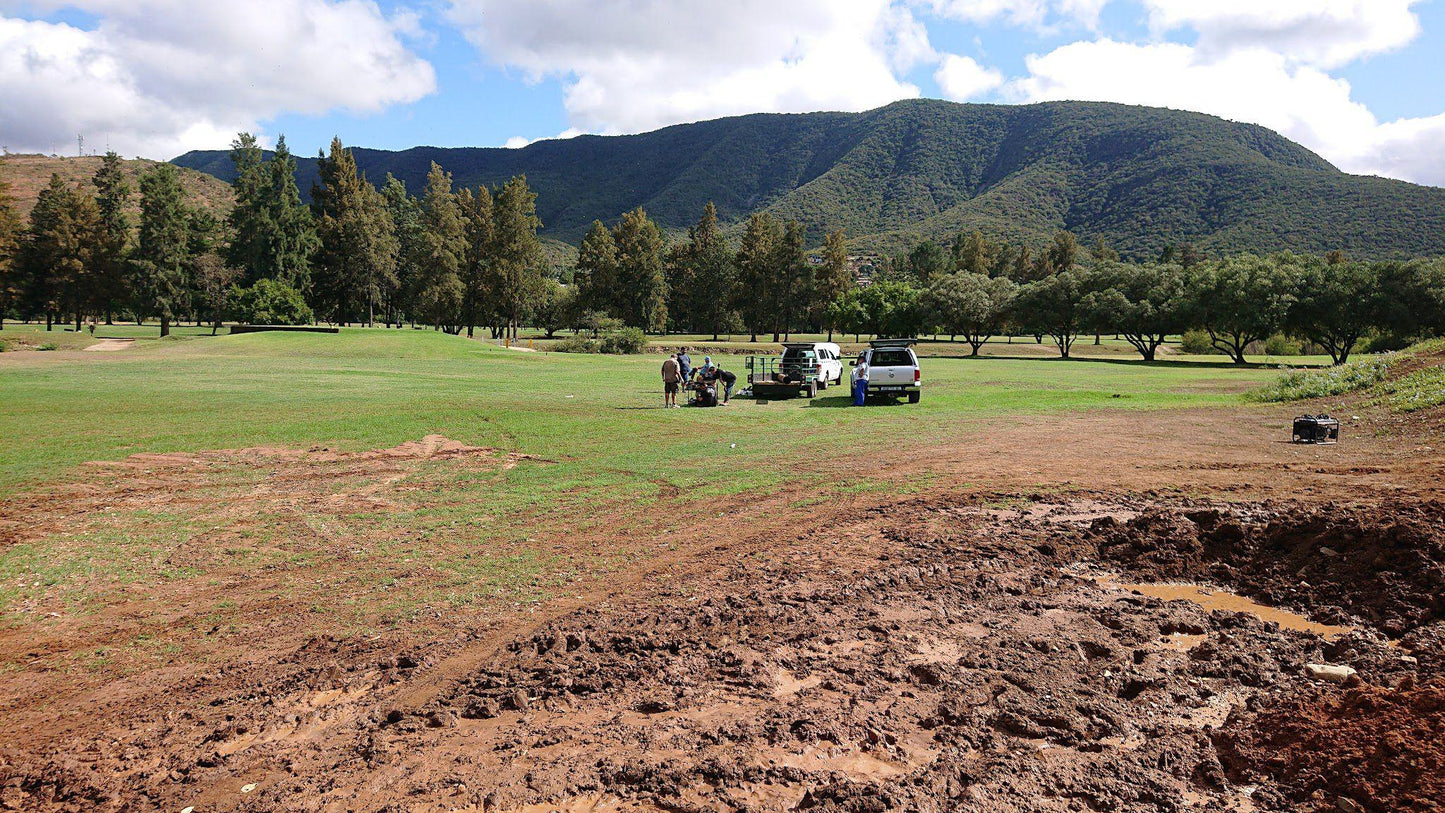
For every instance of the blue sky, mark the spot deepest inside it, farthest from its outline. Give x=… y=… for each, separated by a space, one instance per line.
x=1354 y=80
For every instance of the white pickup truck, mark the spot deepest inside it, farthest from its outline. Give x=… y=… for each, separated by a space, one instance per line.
x=891 y=368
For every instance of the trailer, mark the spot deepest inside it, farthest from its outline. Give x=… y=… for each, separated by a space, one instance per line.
x=778 y=376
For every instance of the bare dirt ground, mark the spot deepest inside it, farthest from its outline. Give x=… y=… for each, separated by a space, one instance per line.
x=990 y=644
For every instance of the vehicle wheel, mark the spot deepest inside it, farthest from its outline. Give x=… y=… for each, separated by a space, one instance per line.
x=914 y=396
x=822 y=385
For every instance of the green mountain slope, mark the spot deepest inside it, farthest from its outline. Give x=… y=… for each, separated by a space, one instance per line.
x=1140 y=177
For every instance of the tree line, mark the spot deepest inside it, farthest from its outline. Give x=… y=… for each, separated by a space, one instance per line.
x=356 y=253
x=460 y=259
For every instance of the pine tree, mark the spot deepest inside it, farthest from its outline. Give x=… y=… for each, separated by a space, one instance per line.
x=111 y=267
x=515 y=260
x=249 y=220
x=831 y=279
x=479 y=304
x=596 y=272
x=292 y=241
x=756 y=281
x=12 y=284
x=439 y=251
x=59 y=250
x=640 y=281
x=273 y=234
x=704 y=277
x=355 y=263
x=794 y=278
x=405 y=215
x=164 y=251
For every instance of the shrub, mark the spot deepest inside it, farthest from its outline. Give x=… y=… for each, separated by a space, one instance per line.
x=627 y=341
x=1282 y=345
x=1298 y=385
x=268 y=302
x=1197 y=343
x=48 y=346
x=577 y=344
x=621 y=341
x=1421 y=389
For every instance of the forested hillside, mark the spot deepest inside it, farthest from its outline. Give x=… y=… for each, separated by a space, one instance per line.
x=1141 y=178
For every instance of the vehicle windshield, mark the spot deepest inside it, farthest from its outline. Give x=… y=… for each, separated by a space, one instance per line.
x=798 y=354
x=892 y=358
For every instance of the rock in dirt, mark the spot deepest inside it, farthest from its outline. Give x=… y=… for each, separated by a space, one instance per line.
x=1329 y=673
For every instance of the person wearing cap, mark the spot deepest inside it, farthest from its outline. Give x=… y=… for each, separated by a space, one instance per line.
x=684 y=363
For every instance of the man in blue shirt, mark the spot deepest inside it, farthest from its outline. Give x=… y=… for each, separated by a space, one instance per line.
x=684 y=363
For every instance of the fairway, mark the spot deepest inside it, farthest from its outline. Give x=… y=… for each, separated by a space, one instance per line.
x=309 y=546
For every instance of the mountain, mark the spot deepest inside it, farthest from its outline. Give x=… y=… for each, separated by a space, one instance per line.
x=1141 y=178
x=29 y=174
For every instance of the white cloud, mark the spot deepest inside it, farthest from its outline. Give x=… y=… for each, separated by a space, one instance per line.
x=1324 y=33
x=1254 y=85
x=961 y=78
x=517 y=142
x=1028 y=13
x=157 y=77
x=636 y=65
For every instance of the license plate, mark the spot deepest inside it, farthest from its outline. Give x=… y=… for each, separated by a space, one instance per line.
x=889 y=389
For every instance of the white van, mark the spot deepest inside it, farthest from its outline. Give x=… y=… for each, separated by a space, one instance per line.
x=827 y=355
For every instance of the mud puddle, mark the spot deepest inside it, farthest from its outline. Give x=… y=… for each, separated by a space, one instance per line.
x=1214 y=598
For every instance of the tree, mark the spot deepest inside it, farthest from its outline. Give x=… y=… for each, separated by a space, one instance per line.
x=109 y=282
x=794 y=278
x=269 y=302
x=58 y=251
x=1335 y=304
x=355 y=264
x=640 y=283
x=887 y=308
x=554 y=307
x=596 y=271
x=969 y=304
x=832 y=278
x=164 y=250
x=479 y=306
x=274 y=235
x=293 y=236
x=1238 y=301
x=11 y=282
x=439 y=251
x=927 y=262
x=756 y=281
x=249 y=219
x=701 y=276
x=515 y=260
x=405 y=215
x=974 y=254
x=210 y=278
x=1145 y=303
x=1055 y=306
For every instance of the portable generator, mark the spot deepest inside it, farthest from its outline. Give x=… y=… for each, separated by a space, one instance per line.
x=1316 y=429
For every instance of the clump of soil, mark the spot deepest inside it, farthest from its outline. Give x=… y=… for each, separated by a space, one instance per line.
x=1378 y=748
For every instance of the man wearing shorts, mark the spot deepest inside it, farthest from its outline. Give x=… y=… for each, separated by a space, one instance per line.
x=671 y=380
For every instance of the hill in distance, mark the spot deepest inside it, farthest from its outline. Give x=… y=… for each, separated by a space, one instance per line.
x=29 y=174
x=1141 y=178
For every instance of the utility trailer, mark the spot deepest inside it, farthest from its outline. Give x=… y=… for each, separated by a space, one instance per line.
x=786 y=375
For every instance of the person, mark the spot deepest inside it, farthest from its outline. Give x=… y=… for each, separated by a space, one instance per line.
x=671 y=381
x=728 y=380
x=684 y=363
x=860 y=380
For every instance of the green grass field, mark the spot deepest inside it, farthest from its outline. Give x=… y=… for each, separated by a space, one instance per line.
x=606 y=448
x=366 y=389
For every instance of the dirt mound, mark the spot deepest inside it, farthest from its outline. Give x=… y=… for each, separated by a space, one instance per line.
x=1376 y=748
x=1384 y=564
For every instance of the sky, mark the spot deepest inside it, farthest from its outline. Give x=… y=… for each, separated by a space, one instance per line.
x=1360 y=82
